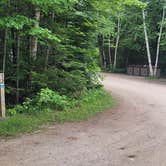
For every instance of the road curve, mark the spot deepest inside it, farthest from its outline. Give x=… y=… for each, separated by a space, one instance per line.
x=132 y=134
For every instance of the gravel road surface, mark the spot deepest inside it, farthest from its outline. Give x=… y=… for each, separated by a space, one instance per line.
x=132 y=134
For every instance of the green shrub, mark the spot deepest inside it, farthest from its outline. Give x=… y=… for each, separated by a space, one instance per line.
x=152 y=78
x=45 y=100
x=28 y=106
x=72 y=80
x=12 y=112
x=50 y=99
x=93 y=102
x=70 y=83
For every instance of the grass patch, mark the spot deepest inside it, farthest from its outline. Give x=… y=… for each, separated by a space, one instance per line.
x=93 y=102
x=89 y=106
x=152 y=78
x=23 y=123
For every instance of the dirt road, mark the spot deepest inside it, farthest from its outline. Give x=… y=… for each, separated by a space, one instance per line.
x=133 y=134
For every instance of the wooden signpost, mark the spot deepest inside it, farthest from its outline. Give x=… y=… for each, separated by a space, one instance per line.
x=2 y=96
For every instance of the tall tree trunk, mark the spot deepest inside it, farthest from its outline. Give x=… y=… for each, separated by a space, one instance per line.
x=126 y=59
x=13 y=47
x=103 y=51
x=100 y=49
x=109 y=49
x=18 y=68
x=147 y=44
x=158 y=42
x=49 y=47
x=117 y=42
x=47 y=57
x=34 y=40
x=5 y=50
x=5 y=42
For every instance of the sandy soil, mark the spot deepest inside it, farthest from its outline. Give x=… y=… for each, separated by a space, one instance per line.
x=133 y=134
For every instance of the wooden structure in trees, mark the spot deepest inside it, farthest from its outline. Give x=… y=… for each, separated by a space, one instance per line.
x=138 y=70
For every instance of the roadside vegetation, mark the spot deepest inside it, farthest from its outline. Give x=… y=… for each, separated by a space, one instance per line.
x=50 y=56
x=52 y=50
x=52 y=108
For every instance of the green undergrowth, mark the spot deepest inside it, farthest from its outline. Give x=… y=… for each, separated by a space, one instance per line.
x=20 y=122
x=152 y=78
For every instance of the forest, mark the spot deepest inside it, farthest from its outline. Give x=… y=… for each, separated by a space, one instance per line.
x=52 y=51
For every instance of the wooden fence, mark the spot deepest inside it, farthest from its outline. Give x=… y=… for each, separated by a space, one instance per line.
x=137 y=70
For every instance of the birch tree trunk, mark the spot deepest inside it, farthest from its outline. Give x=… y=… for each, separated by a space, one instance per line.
x=158 y=42
x=147 y=44
x=5 y=50
x=34 y=40
x=117 y=43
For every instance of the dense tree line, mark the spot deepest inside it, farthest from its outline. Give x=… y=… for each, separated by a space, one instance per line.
x=139 y=38
x=60 y=44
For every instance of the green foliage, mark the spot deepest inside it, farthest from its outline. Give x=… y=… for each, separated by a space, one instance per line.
x=152 y=78
x=72 y=81
x=12 y=112
x=47 y=98
x=132 y=48
x=28 y=106
x=93 y=102
x=53 y=5
x=67 y=54
x=136 y=3
x=44 y=34
x=22 y=123
x=17 y=22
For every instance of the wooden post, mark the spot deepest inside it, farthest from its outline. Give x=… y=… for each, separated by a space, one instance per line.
x=2 y=96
